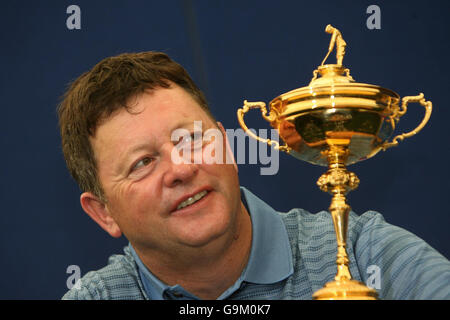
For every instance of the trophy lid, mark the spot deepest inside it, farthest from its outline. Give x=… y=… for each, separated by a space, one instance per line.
x=333 y=87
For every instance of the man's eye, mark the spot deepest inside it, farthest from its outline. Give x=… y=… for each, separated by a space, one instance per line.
x=194 y=141
x=142 y=163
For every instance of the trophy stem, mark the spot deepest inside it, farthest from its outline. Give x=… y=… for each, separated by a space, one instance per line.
x=338 y=181
x=339 y=213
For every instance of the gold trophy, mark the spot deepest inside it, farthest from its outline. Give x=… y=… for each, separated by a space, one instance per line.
x=335 y=122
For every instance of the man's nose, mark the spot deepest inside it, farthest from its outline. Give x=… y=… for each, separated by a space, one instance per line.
x=178 y=172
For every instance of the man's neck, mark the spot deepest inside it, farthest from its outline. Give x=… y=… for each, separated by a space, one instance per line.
x=203 y=272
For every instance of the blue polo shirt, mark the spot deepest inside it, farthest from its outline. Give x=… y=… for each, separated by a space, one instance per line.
x=270 y=259
x=293 y=254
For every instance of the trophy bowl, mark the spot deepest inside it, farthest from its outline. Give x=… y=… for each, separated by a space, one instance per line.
x=335 y=122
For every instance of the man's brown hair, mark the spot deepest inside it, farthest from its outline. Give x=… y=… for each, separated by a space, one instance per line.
x=98 y=93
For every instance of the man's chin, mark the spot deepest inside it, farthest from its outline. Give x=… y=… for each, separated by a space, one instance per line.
x=204 y=234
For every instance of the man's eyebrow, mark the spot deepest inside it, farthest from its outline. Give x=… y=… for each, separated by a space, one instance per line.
x=184 y=124
x=136 y=148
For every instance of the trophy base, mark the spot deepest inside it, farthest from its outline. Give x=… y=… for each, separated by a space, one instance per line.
x=345 y=290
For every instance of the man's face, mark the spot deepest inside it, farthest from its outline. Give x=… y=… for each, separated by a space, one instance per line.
x=144 y=187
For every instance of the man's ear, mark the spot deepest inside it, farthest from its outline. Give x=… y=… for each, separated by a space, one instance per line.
x=229 y=154
x=99 y=212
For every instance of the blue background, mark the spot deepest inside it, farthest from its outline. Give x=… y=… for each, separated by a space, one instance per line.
x=234 y=50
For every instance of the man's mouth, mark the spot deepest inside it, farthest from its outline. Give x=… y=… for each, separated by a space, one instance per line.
x=192 y=199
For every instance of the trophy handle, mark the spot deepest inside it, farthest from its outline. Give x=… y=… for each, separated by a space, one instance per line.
x=428 y=108
x=270 y=118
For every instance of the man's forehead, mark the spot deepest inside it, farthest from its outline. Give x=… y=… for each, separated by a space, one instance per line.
x=124 y=132
x=145 y=115
x=154 y=102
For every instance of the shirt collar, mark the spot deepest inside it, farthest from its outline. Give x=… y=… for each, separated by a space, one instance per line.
x=270 y=257
x=154 y=288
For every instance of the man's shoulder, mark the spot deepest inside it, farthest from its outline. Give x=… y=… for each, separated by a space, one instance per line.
x=118 y=280
x=312 y=234
x=307 y=224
